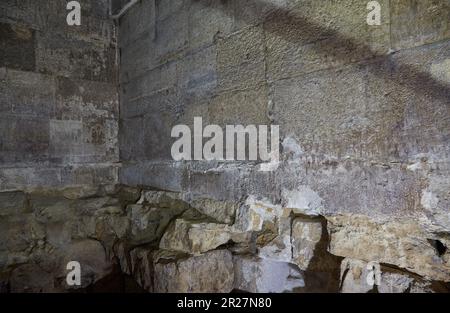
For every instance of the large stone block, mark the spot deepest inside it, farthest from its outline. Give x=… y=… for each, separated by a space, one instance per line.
x=402 y=243
x=209 y=20
x=24 y=139
x=163 y=77
x=12 y=203
x=148 y=223
x=259 y=275
x=76 y=58
x=316 y=35
x=131 y=139
x=415 y=23
x=139 y=20
x=164 y=176
x=173 y=24
x=194 y=238
x=198 y=74
x=216 y=274
x=66 y=139
x=241 y=59
x=81 y=99
x=17 y=47
x=50 y=16
x=28 y=94
x=324 y=111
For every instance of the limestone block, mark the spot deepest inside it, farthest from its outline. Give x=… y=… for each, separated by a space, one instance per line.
x=148 y=223
x=259 y=275
x=240 y=59
x=415 y=23
x=194 y=238
x=209 y=272
x=209 y=20
x=221 y=211
x=306 y=235
x=93 y=260
x=402 y=243
x=17 y=47
x=12 y=203
x=313 y=36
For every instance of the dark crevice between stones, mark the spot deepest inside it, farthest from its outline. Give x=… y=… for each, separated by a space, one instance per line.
x=324 y=270
x=438 y=246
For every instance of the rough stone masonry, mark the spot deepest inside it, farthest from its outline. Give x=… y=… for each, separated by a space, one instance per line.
x=86 y=172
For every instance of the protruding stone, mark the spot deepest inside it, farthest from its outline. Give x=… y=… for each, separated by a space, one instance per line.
x=195 y=238
x=306 y=235
x=80 y=192
x=259 y=275
x=209 y=272
x=12 y=203
x=148 y=223
x=402 y=243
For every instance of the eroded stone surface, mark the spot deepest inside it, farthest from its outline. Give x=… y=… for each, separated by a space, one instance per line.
x=210 y=272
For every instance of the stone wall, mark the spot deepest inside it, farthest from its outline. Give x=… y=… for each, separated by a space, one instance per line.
x=59 y=100
x=364 y=121
x=361 y=191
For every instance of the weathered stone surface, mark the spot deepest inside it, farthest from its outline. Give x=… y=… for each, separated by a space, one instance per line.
x=173 y=24
x=313 y=36
x=418 y=23
x=221 y=211
x=306 y=235
x=81 y=192
x=55 y=112
x=142 y=267
x=194 y=238
x=209 y=272
x=226 y=107
x=303 y=200
x=30 y=278
x=363 y=171
x=259 y=275
x=209 y=20
x=84 y=99
x=93 y=260
x=240 y=59
x=148 y=222
x=361 y=277
x=400 y=243
x=354 y=276
x=17 y=47
x=138 y=21
x=12 y=203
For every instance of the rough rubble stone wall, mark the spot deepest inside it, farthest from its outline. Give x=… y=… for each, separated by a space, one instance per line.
x=364 y=121
x=59 y=99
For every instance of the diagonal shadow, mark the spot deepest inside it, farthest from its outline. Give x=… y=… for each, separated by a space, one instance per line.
x=382 y=65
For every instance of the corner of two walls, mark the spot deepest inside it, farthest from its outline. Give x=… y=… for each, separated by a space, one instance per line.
x=59 y=106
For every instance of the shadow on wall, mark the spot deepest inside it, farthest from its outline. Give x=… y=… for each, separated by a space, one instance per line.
x=287 y=19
